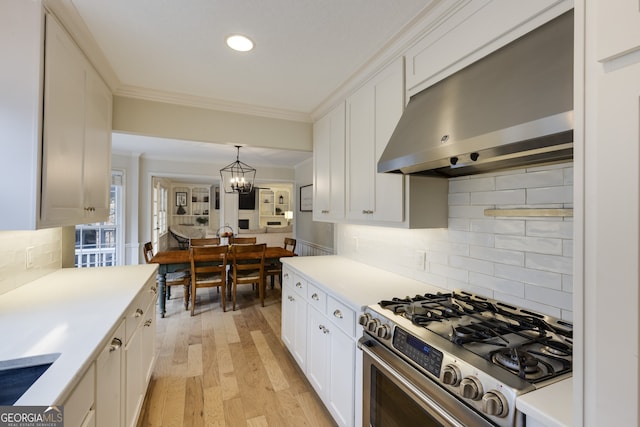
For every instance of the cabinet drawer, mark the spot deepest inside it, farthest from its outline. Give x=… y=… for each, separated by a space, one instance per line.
x=316 y=298
x=341 y=315
x=136 y=311
x=287 y=276
x=299 y=286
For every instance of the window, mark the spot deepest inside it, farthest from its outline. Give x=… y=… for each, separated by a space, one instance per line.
x=160 y=204
x=102 y=244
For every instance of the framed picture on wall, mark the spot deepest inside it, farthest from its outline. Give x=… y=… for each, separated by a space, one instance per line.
x=306 y=198
x=181 y=198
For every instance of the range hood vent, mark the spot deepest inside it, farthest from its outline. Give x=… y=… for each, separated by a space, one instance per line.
x=513 y=108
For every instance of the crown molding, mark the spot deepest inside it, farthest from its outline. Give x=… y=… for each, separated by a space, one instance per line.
x=210 y=103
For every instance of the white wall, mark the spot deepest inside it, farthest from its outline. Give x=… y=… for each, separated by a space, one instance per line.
x=525 y=261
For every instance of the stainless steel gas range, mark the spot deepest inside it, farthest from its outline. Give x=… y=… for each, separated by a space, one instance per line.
x=457 y=359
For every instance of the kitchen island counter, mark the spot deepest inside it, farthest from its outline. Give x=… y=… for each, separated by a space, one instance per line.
x=70 y=312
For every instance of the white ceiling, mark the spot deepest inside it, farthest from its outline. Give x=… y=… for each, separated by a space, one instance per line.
x=305 y=49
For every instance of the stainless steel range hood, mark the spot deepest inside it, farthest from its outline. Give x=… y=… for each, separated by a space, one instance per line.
x=513 y=108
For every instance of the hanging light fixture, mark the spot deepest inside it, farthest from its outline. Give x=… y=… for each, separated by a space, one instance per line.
x=238 y=176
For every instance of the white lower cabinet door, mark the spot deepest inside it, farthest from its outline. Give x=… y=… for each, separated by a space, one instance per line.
x=294 y=321
x=109 y=390
x=340 y=391
x=318 y=351
x=133 y=375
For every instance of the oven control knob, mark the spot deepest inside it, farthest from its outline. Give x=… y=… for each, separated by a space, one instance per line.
x=364 y=319
x=372 y=325
x=384 y=332
x=451 y=375
x=494 y=403
x=471 y=388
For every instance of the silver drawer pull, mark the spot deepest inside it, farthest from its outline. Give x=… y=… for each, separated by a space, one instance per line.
x=115 y=344
x=299 y=285
x=139 y=312
x=315 y=297
x=338 y=314
x=148 y=323
x=291 y=298
x=321 y=327
x=154 y=290
x=286 y=275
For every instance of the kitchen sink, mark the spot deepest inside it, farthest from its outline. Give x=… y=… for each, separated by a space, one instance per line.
x=17 y=375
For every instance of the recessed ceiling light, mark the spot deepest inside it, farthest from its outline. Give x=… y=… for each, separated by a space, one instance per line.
x=240 y=43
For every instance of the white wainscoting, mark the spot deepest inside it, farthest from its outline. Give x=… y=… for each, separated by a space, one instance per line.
x=304 y=248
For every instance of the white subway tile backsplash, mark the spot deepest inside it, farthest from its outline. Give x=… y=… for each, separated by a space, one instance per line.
x=558 y=264
x=530 y=244
x=552 y=297
x=548 y=228
x=497 y=284
x=472 y=264
x=459 y=198
x=547 y=178
x=526 y=261
x=501 y=256
x=531 y=277
x=472 y=184
x=563 y=194
x=501 y=226
x=504 y=197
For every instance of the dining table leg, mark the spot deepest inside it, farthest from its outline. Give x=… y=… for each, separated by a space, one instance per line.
x=162 y=289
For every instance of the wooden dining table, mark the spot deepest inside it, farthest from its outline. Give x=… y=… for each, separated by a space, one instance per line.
x=178 y=259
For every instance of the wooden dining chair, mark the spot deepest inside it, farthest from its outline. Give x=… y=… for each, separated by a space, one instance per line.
x=273 y=268
x=247 y=268
x=243 y=240
x=209 y=241
x=176 y=278
x=208 y=270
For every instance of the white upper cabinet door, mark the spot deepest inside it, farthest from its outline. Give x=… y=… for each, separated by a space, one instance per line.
x=63 y=135
x=328 y=166
x=372 y=115
x=76 y=153
x=97 y=147
x=618 y=25
x=389 y=105
x=360 y=150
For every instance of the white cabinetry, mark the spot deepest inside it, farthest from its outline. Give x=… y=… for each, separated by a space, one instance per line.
x=610 y=245
x=329 y=166
x=294 y=316
x=319 y=331
x=372 y=114
x=138 y=357
x=79 y=407
x=109 y=373
x=618 y=28
x=463 y=32
x=56 y=169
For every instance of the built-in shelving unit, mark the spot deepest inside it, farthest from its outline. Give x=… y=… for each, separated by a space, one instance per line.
x=274 y=202
x=191 y=205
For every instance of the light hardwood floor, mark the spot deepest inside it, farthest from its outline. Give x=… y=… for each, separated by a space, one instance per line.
x=227 y=369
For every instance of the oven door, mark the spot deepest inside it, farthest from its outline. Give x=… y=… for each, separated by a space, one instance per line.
x=397 y=394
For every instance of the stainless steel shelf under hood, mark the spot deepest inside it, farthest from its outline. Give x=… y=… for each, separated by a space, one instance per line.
x=513 y=108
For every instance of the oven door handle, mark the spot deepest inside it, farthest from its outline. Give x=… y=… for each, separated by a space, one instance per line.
x=364 y=344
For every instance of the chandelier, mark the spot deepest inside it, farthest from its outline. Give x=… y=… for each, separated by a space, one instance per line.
x=238 y=176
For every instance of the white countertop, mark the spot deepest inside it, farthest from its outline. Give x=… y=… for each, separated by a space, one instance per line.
x=551 y=406
x=358 y=284
x=70 y=311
